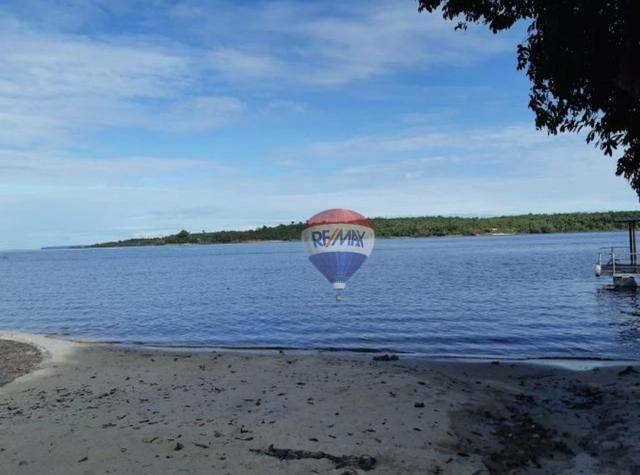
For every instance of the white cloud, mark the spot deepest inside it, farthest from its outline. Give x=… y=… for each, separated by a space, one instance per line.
x=242 y=65
x=486 y=171
x=382 y=38
x=193 y=114
x=22 y=171
x=54 y=86
x=423 y=139
x=366 y=145
x=304 y=43
x=36 y=64
x=57 y=81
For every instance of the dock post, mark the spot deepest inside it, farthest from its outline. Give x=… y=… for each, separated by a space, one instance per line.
x=632 y=245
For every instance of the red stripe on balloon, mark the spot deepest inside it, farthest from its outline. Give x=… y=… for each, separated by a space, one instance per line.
x=338 y=216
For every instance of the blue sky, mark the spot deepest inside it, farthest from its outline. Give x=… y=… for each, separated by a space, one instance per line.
x=123 y=118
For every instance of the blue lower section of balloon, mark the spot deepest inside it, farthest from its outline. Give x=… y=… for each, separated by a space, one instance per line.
x=337 y=266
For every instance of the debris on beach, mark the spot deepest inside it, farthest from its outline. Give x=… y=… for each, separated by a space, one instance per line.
x=386 y=358
x=516 y=419
x=17 y=359
x=363 y=462
x=627 y=371
x=507 y=435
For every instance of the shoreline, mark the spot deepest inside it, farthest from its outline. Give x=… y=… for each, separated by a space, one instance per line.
x=93 y=408
x=286 y=241
x=78 y=247
x=355 y=353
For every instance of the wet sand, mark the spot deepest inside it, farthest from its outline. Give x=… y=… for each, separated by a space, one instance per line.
x=91 y=408
x=16 y=359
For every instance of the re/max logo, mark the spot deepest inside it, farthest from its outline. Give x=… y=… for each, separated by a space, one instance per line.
x=352 y=237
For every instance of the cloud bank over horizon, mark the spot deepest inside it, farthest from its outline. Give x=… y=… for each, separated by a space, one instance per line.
x=121 y=120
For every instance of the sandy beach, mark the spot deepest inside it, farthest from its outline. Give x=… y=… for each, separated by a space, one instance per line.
x=85 y=408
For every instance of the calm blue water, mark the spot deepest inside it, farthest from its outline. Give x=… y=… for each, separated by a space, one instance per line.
x=502 y=296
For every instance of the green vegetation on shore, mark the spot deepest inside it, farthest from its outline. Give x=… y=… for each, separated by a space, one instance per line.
x=407 y=227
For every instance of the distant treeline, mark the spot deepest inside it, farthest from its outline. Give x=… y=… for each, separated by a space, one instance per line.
x=408 y=227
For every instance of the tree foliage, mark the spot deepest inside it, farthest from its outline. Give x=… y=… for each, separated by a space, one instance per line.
x=583 y=60
x=425 y=226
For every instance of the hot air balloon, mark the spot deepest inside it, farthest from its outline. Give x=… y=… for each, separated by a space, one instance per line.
x=338 y=241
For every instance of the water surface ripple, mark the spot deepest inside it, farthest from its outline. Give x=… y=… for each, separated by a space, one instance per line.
x=503 y=296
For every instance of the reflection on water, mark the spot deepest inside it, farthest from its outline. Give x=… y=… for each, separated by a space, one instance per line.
x=502 y=296
x=627 y=326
